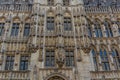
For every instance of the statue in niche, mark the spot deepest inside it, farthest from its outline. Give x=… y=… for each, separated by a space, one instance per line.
x=60 y=58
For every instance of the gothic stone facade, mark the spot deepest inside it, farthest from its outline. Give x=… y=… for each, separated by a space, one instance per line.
x=59 y=40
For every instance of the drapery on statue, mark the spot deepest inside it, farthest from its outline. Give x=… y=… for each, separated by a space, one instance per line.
x=60 y=58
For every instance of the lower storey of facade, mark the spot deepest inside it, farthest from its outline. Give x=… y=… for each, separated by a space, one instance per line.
x=59 y=74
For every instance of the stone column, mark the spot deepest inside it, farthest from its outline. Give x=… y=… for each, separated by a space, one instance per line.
x=33 y=43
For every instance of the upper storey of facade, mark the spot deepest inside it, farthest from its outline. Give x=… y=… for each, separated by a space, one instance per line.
x=102 y=2
x=44 y=2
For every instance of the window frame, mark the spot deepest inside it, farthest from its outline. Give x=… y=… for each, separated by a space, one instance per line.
x=67 y=24
x=9 y=63
x=116 y=58
x=26 y=28
x=50 y=23
x=104 y=60
x=15 y=29
x=50 y=58
x=24 y=61
x=109 y=32
x=69 y=58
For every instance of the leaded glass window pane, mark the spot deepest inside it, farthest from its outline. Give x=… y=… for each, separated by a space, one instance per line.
x=69 y=58
x=24 y=62
x=9 y=63
x=50 y=59
x=116 y=59
x=94 y=59
x=26 y=29
x=104 y=60
x=50 y=23
x=67 y=24
x=109 y=32
x=15 y=29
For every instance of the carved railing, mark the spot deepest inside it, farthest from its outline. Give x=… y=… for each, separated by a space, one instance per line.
x=105 y=75
x=14 y=75
x=95 y=9
x=16 y=7
x=102 y=9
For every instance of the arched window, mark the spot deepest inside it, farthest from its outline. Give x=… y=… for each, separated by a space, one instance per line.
x=94 y=56
x=50 y=58
x=67 y=22
x=15 y=29
x=104 y=60
x=26 y=29
x=50 y=2
x=50 y=22
x=69 y=58
x=89 y=30
x=66 y=2
x=116 y=58
x=109 y=32
x=98 y=31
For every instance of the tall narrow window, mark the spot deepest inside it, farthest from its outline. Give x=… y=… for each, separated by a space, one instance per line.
x=50 y=2
x=98 y=30
x=50 y=59
x=109 y=32
x=15 y=29
x=9 y=63
x=104 y=60
x=1 y=29
x=69 y=58
x=67 y=24
x=89 y=31
x=24 y=62
x=116 y=58
x=94 y=55
x=26 y=29
x=65 y=2
x=50 y=23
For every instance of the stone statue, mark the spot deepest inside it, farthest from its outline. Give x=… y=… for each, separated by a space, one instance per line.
x=60 y=58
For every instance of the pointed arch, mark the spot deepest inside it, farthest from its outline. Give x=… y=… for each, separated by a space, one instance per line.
x=94 y=58
x=107 y=24
x=15 y=26
x=57 y=74
x=50 y=20
x=104 y=60
x=97 y=28
x=116 y=58
x=67 y=21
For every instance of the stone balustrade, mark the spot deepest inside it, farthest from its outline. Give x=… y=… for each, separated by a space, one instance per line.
x=105 y=75
x=16 y=7
x=14 y=75
x=102 y=9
